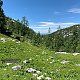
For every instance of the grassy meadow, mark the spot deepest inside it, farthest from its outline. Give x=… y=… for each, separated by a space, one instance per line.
x=49 y=65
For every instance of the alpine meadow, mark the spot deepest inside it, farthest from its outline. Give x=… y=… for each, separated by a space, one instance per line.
x=29 y=55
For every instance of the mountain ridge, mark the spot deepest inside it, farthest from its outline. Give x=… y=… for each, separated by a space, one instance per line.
x=62 y=37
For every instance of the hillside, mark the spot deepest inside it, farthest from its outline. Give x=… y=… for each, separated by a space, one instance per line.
x=67 y=39
x=22 y=61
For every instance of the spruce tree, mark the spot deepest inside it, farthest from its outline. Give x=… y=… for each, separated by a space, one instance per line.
x=24 y=21
x=2 y=18
x=49 y=30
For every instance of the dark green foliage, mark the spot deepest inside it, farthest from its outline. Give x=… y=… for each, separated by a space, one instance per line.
x=67 y=39
x=17 y=28
x=24 y=21
x=20 y=30
x=2 y=18
x=49 y=31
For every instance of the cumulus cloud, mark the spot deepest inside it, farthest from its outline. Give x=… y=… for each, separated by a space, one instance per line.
x=74 y=10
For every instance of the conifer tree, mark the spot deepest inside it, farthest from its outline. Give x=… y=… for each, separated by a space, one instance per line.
x=24 y=21
x=2 y=18
x=49 y=30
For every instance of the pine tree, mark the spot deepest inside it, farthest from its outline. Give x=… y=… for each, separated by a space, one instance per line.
x=49 y=30
x=24 y=21
x=2 y=18
x=59 y=27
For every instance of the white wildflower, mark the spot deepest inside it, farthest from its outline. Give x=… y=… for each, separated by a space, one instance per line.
x=50 y=62
x=48 y=78
x=61 y=53
x=64 y=62
x=74 y=54
x=40 y=77
x=3 y=40
x=43 y=52
x=8 y=64
x=53 y=61
x=29 y=70
x=18 y=42
x=35 y=75
x=30 y=59
x=24 y=61
x=13 y=40
x=38 y=72
x=5 y=69
x=47 y=59
x=77 y=64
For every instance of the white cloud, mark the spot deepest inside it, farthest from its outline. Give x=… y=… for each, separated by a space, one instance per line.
x=43 y=27
x=74 y=10
x=44 y=24
x=44 y=31
x=52 y=24
x=39 y=27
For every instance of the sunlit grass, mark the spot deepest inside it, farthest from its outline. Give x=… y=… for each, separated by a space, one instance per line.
x=47 y=62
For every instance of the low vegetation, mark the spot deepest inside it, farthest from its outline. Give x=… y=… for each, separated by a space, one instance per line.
x=21 y=60
x=35 y=63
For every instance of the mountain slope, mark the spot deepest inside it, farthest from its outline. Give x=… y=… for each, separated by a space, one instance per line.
x=47 y=65
x=67 y=39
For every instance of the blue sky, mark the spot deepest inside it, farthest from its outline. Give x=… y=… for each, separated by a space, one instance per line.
x=43 y=14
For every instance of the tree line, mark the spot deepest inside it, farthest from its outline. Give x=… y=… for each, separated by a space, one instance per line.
x=67 y=39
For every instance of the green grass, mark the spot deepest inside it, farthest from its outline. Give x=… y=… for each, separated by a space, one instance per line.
x=39 y=59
